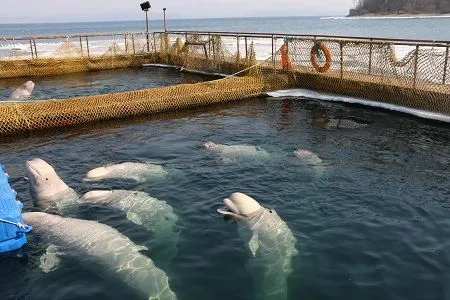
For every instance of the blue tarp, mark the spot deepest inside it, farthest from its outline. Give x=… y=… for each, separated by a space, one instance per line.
x=12 y=229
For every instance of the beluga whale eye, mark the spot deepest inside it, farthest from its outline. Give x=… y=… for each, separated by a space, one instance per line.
x=46 y=178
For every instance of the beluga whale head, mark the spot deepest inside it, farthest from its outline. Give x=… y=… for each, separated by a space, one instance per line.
x=25 y=90
x=239 y=206
x=43 y=180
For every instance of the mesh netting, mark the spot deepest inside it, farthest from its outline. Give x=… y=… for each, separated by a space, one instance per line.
x=409 y=75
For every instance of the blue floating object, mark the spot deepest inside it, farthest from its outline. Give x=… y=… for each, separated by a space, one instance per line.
x=12 y=229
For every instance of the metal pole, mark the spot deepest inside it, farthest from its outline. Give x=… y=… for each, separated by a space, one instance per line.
x=165 y=24
x=35 y=49
x=87 y=46
x=416 y=62
x=445 y=64
x=146 y=22
x=31 y=48
x=81 y=46
x=154 y=43
x=126 y=45
x=238 y=56
x=342 y=59
x=370 y=57
x=273 y=52
x=132 y=41
x=246 y=49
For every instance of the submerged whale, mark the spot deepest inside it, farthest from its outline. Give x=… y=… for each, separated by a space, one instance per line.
x=236 y=150
x=25 y=90
x=270 y=241
x=308 y=157
x=155 y=215
x=47 y=188
x=98 y=245
x=127 y=170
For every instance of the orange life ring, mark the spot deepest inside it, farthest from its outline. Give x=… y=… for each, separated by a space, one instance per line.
x=314 y=61
x=286 y=62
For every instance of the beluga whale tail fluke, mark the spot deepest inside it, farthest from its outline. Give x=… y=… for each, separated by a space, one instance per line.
x=270 y=241
x=139 y=172
x=23 y=91
x=97 y=245
x=47 y=188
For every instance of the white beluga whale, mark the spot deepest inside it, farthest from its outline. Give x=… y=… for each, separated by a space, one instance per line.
x=139 y=172
x=95 y=246
x=47 y=188
x=270 y=241
x=155 y=215
x=23 y=91
x=232 y=151
x=308 y=157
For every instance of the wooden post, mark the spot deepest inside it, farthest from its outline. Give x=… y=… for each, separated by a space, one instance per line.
x=132 y=42
x=416 y=62
x=445 y=64
x=341 y=46
x=370 y=57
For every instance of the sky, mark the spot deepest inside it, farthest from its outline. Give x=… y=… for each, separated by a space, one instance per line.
x=14 y=11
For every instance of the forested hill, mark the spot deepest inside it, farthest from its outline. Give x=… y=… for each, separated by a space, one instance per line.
x=384 y=7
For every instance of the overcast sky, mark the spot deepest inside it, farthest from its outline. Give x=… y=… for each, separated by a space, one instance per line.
x=16 y=11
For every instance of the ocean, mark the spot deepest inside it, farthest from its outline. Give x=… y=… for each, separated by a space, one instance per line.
x=407 y=28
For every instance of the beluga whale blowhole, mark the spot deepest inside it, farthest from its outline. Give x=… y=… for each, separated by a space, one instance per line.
x=270 y=241
x=98 y=246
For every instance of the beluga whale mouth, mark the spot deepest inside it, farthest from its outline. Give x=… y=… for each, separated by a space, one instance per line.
x=239 y=206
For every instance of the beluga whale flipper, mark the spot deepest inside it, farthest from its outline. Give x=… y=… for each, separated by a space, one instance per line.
x=270 y=242
x=97 y=245
x=139 y=172
x=23 y=91
x=142 y=209
x=47 y=188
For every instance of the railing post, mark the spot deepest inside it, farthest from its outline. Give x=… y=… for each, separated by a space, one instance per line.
x=445 y=64
x=35 y=49
x=246 y=49
x=341 y=46
x=416 y=62
x=154 y=43
x=370 y=57
x=126 y=45
x=238 y=56
x=31 y=48
x=87 y=47
x=81 y=46
x=273 y=51
x=132 y=42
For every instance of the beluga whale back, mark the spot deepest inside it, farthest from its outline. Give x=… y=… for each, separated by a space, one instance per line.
x=139 y=172
x=270 y=242
x=232 y=151
x=47 y=188
x=98 y=245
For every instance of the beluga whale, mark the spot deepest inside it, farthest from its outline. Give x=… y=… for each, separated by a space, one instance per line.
x=139 y=172
x=270 y=241
x=23 y=91
x=47 y=188
x=232 y=151
x=155 y=215
x=308 y=157
x=97 y=245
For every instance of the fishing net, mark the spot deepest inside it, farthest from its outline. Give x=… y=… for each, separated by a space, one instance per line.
x=367 y=69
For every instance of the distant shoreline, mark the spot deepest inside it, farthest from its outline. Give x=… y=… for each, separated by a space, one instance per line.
x=406 y=16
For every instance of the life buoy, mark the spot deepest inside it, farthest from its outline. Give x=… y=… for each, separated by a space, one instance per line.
x=286 y=62
x=315 y=51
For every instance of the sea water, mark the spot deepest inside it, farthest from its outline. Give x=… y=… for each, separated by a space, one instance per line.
x=372 y=224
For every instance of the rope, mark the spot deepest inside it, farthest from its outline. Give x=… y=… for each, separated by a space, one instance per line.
x=18 y=224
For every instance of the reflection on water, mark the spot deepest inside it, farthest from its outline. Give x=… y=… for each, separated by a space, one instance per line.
x=374 y=224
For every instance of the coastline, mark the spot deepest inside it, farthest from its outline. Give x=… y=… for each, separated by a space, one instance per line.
x=397 y=16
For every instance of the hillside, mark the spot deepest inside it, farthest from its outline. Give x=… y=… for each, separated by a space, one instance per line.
x=394 y=7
